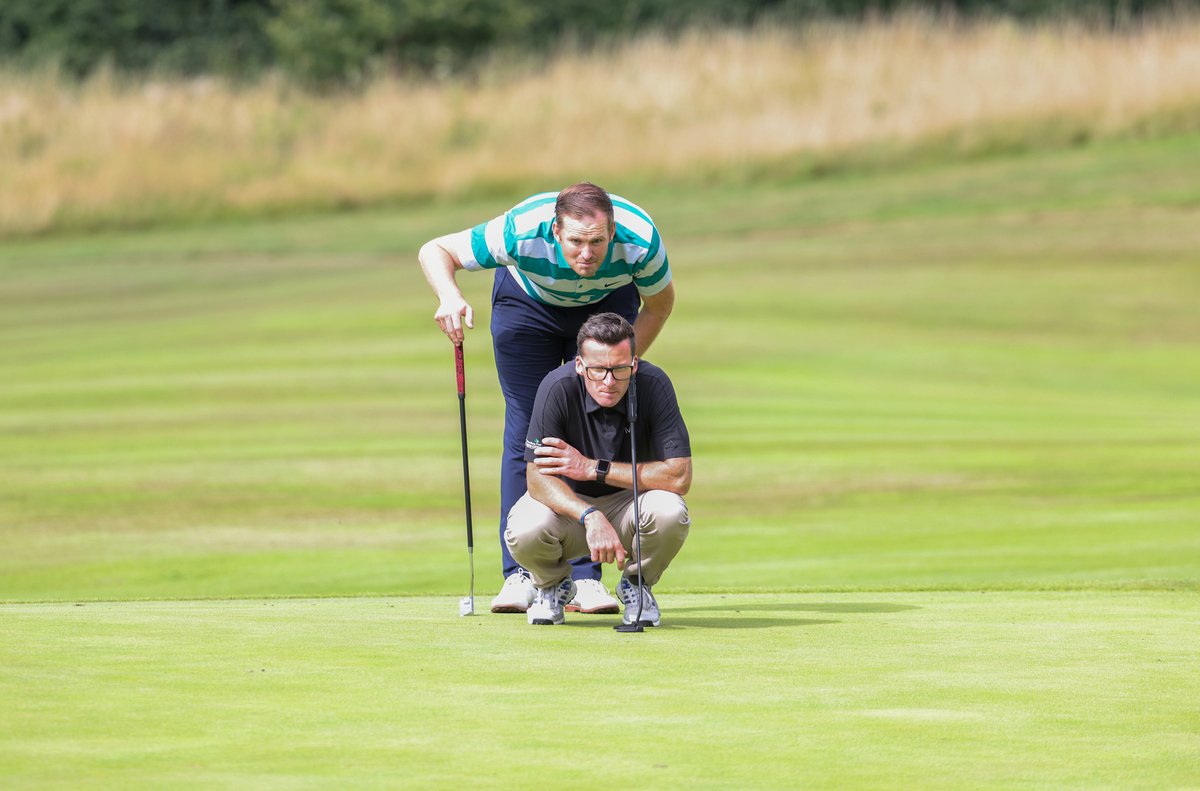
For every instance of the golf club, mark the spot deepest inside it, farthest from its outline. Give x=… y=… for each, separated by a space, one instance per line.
x=631 y=406
x=467 y=605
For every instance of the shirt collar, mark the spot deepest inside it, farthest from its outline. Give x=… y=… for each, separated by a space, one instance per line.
x=590 y=406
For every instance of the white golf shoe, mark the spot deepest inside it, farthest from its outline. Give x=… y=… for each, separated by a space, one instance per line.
x=627 y=589
x=516 y=595
x=548 y=603
x=592 y=598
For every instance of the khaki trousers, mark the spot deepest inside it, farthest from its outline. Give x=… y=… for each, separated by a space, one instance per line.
x=544 y=542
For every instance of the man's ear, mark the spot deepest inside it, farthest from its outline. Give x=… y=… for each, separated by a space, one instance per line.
x=579 y=367
x=635 y=363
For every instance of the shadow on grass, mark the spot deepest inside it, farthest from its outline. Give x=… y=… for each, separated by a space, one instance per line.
x=733 y=607
x=671 y=623
x=725 y=622
x=832 y=607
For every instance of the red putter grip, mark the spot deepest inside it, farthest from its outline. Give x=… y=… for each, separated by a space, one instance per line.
x=458 y=369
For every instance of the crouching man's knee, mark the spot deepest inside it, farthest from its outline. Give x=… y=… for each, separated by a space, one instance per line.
x=665 y=512
x=664 y=530
x=535 y=536
x=529 y=521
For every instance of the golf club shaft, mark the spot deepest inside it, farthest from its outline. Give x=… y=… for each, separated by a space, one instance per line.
x=637 y=512
x=462 y=427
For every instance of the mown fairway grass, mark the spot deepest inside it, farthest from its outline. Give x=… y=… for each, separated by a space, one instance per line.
x=966 y=397
x=973 y=376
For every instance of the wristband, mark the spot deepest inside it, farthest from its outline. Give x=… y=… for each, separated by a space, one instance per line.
x=585 y=513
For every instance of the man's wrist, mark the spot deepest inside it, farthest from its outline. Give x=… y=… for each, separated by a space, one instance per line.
x=602 y=468
x=583 y=516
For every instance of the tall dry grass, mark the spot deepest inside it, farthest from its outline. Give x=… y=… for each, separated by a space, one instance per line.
x=110 y=152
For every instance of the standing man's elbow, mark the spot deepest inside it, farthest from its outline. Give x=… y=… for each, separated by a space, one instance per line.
x=663 y=302
x=444 y=250
x=668 y=303
x=435 y=250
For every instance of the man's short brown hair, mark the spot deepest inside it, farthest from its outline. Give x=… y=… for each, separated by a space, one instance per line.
x=608 y=329
x=582 y=200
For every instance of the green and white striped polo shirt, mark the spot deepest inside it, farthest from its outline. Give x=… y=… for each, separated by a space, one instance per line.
x=521 y=239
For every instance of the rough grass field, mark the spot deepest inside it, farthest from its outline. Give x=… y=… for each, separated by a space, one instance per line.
x=681 y=110
x=947 y=436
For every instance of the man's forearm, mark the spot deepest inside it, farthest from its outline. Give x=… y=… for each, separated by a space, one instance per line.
x=439 y=262
x=553 y=492
x=646 y=329
x=439 y=266
x=651 y=318
x=672 y=475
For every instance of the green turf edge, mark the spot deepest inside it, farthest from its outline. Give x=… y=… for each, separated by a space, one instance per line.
x=1139 y=586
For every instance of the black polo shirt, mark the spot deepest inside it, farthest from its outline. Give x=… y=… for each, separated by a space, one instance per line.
x=564 y=409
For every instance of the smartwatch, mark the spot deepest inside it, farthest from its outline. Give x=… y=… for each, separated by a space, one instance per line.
x=602 y=468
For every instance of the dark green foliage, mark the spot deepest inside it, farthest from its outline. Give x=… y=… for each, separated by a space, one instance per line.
x=325 y=41
x=339 y=42
x=180 y=36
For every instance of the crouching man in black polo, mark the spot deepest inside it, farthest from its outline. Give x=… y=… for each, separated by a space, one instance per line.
x=580 y=498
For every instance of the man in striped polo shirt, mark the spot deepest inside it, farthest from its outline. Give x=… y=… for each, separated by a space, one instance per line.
x=558 y=259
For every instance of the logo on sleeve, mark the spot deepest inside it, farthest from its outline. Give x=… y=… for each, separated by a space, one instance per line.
x=533 y=444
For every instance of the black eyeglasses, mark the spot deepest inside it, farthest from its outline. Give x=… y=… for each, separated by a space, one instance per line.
x=597 y=373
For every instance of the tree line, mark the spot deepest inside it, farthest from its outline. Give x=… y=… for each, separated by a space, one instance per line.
x=343 y=42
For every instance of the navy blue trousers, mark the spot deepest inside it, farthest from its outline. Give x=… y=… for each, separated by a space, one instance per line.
x=531 y=340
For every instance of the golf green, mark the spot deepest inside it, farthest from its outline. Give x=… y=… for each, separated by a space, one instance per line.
x=883 y=690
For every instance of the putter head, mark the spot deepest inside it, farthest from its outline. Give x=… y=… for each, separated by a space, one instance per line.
x=466 y=606
x=629 y=627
